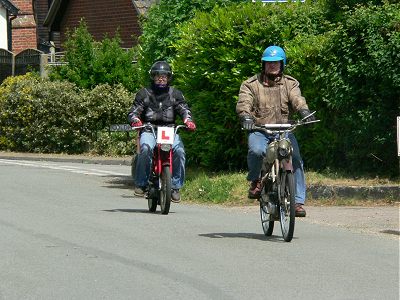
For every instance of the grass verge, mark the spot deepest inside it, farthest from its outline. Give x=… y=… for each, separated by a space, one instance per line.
x=231 y=188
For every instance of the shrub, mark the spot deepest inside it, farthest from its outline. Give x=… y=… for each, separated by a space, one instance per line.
x=56 y=116
x=348 y=72
x=107 y=105
x=43 y=116
x=358 y=77
x=90 y=63
x=160 y=29
x=215 y=52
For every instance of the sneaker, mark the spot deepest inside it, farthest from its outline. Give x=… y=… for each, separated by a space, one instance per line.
x=140 y=191
x=300 y=211
x=175 y=196
x=255 y=189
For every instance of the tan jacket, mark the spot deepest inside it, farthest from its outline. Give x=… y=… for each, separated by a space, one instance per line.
x=269 y=105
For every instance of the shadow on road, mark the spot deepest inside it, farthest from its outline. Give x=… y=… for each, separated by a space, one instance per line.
x=134 y=210
x=119 y=182
x=244 y=235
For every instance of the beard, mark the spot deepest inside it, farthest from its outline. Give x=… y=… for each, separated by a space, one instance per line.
x=271 y=79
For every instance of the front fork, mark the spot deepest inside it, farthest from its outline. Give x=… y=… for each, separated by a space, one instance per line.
x=274 y=177
x=161 y=159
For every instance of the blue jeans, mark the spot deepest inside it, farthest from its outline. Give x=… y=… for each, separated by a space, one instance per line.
x=258 y=142
x=144 y=161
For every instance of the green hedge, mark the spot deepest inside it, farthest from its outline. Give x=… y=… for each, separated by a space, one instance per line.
x=356 y=82
x=215 y=52
x=348 y=72
x=347 y=65
x=39 y=115
x=160 y=29
x=90 y=63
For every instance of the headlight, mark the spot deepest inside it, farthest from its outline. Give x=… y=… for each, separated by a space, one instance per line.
x=284 y=149
x=166 y=147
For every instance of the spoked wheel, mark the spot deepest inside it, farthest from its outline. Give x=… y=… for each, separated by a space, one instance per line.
x=267 y=222
x=165 y=191
x=287 y=205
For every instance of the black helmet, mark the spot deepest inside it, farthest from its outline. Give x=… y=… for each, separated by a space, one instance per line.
x=160 y=68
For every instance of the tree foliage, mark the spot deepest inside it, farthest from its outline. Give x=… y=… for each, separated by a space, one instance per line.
x=215 y=52
x=347 y=70
x=160 y=29
x=90 y=63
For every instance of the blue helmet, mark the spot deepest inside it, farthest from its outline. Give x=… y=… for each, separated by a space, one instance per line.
x=274 y=53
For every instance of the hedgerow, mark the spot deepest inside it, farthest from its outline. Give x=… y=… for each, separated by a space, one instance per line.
x=38 y=115
x=348 y=72
x=160 y=29
x=215 y=52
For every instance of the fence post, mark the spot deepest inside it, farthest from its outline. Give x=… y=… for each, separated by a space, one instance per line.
x=43 y=65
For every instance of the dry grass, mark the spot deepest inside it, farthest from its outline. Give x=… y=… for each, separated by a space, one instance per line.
x=230 y=189
x=329 y=178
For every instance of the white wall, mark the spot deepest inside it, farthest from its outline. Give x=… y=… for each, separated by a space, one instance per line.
x=3 y=28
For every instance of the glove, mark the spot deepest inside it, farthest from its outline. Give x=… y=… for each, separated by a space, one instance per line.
x=136 y=122
x=189 y=124
x=304 y=113
x=247 y=122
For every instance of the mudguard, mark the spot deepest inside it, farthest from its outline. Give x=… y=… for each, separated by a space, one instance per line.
x=287 y=165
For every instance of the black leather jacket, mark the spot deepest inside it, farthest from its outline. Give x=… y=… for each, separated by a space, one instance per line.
x=159 y=107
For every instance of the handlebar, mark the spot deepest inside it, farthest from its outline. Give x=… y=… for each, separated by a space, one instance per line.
x=152 y=127
x=284 y=127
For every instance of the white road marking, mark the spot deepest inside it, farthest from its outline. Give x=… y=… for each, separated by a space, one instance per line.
x=73 y=169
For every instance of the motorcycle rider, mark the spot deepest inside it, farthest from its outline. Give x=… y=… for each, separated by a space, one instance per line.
x=159 y=104
x=271 y=97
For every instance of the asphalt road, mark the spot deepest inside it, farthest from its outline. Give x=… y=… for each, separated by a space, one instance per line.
x=74 y=231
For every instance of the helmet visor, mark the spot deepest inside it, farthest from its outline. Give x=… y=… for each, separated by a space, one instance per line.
x=160 y=73
x=272 y=58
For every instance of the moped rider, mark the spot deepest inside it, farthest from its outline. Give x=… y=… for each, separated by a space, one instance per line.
x=159 y=104
x=267 y=98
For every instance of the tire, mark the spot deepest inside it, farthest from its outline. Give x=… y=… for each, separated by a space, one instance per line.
x=267 y=220
x=287 y=205
x=152 y=203
x=266 y=223
x=165 y=191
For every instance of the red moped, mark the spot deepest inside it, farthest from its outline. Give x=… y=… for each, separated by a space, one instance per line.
x=159 y=191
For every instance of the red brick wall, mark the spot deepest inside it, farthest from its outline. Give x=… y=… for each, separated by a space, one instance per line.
x=24 y=27
x=103 y=16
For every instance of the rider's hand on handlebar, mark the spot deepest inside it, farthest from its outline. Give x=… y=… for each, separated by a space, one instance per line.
x=247 y=122
x=191 y=126
x=306 y=112
x=136 y=122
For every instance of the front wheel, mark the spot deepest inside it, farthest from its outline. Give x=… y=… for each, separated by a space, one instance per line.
x=266 y=214
x=287 y=205
x=165 y=190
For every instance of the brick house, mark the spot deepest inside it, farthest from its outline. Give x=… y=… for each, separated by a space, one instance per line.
x=101 y=19
x=24 y=27
x=8 y=12
x=40 y=22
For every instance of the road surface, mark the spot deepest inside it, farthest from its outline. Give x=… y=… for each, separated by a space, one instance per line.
x=75 y=231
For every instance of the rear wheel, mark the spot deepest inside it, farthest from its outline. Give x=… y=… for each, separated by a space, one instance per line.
x=152 y=202
x=287 y=205
x=165 y=191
